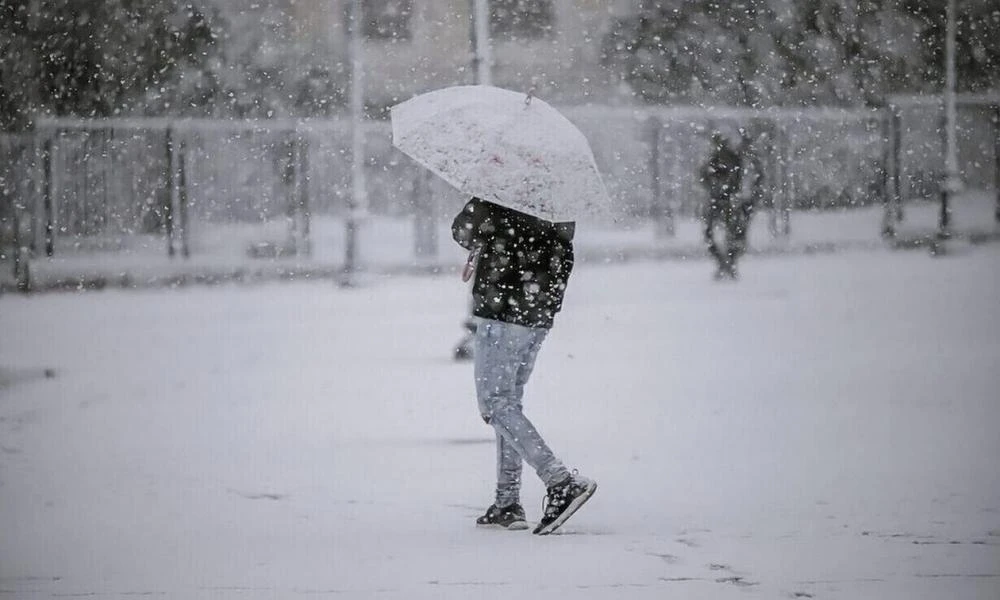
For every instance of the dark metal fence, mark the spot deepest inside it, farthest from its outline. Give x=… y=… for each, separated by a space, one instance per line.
x=190 y=187
x=15 y=199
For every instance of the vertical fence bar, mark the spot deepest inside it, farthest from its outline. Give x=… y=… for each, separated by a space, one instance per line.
x=653 y=127
x=182 y=198
x=17 y=147
x=660 y=212
x=779 y=224
x=791 y=190
x=776 y=185
x=424 y=219
x=304 y=213
x=15 y=216
x=48 y=208
x=896 y=169
x=168 y=206
x=789 y=201
x=292 y=181
x=106 y=213
x=779 y=185
x=84 y=221
x=677 y=186
x=21 y=277
x=66 y=195
x=945 y=193
x=358 y=202
x=37 y=186
x=886 y=175
x=773 y=162
x=951 y=181
x=996 y=160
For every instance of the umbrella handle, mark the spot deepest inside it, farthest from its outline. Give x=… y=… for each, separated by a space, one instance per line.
x=470 y=265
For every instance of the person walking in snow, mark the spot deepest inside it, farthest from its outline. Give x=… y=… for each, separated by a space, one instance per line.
x=722 y=175
x=521 y=267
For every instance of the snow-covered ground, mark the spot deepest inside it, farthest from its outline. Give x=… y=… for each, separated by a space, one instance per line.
x=825 y=428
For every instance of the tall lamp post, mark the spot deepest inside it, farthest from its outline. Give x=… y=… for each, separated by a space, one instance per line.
x=482 y=59
x=359 y=195
x=952 y=182
x=483 y=49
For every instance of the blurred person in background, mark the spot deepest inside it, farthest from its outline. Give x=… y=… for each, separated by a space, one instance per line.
x=722 y=175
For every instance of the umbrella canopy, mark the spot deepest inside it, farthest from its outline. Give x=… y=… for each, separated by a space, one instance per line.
x=505 y=147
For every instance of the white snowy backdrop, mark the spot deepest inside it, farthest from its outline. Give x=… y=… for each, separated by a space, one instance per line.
x=824 y=428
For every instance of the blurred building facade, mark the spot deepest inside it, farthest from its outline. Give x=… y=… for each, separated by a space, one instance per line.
x=412 y=46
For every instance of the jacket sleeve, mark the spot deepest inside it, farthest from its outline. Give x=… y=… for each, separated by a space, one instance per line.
x=474 y=225
x=706 y=173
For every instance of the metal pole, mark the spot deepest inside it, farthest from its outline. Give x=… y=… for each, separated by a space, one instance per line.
x=786 y=185
x=48 y=198
x=168 y=207
x=786 y=205
x=663 y=219
x=302 y=174
x=484 y=47
x=182 y=198
x=16 y=222
x=952 y=184
x=37 y=191
x=483 y=62
x=996 y=159
x=290 y=177
x=897 y=164
x=777 y=180
x=890 y=167
x=22 y=277
x=358 y=198
x=20 y=262
x=424 y=218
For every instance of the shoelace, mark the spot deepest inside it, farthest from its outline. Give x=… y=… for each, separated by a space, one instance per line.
x=547 y=499
x=549 y=504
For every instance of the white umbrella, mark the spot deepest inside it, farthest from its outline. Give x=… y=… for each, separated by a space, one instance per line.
x=505 y=147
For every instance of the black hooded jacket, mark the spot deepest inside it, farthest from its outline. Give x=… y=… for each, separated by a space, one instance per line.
x=524 y=262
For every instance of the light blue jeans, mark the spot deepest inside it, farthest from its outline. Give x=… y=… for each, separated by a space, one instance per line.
x=504 y=358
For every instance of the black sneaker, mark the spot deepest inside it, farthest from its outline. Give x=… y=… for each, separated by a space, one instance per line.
x=508 y=517
x=564 y=499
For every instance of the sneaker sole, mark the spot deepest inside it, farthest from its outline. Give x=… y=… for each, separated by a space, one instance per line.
x=570 y=510
x=515 y=526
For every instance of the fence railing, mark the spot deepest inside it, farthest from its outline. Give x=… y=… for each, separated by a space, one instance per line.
x=188 y=187
x=16 y=196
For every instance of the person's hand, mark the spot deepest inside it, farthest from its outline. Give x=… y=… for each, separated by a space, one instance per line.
x=470 y=265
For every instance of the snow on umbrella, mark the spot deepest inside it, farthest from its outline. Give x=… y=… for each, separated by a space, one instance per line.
x=503 y=146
